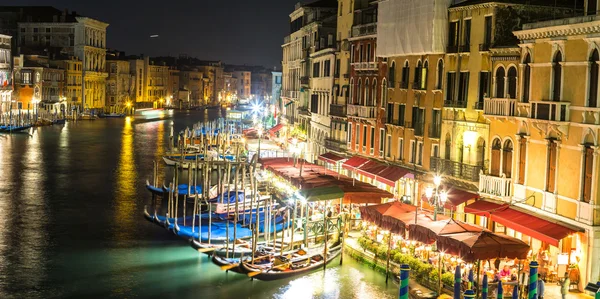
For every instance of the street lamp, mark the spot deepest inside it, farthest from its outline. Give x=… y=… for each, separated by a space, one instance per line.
x=435 y=197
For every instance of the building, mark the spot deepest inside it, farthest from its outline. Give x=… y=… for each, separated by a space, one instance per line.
x=368 y=86
x=229 y=88
x=276 y=90
x=44 y=27
x=119 y=84
x=173 y=96
x=157 y=79
x=192 y=80
x=305 y=37
x=244 y=84
x=38 y=85
x=6 y=73
x=137 y=69
x=213 y=78
x=73 y=77
x=260 y=83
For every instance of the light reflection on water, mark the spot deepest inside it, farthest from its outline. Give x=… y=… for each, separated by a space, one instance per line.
x=71 y=223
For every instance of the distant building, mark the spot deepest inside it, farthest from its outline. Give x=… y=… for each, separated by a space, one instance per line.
x=276 y=89
x=244 y=83
x=192 y=80
x=119 y=84
x=157 y=78
x=6 y=84
x=37 y=84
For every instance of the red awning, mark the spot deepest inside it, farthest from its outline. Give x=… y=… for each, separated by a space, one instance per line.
x=391 y=174
x=533 y=226
x=370 y=169
x=330 y=158
x=354 y=162
x=456 y=197
x=275 y=128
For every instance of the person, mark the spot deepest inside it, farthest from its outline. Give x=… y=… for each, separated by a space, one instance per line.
x=540 y=287
x=497 y=264
x=564 y=288
x=329 y=213
x=505 y=272
x=496 y=276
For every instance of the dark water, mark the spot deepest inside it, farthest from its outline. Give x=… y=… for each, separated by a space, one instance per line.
x=71 y=224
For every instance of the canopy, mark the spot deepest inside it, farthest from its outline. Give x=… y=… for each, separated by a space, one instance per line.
x=370 y=169
x=322 y=193
x=391 y=174
x=482 y=245
x=330 y=158
x=531 y=225
x=275 y=128
x=427 y=232
x=398 y=223
x=354 y=162
x=456 y=197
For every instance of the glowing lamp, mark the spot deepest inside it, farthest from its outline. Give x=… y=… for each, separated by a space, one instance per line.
x=429 y=192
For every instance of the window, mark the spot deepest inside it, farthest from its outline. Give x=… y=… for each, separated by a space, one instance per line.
x=368 y=52
x=367 y=90
x=507 y=158
x=400 y=149
x=381 y=141
x=359 y=92
x=413 y=151
x=384 y=94
x=405 y=75
x=447 y=147
x=593 y=86
x=512 y=82
x=440 y=74
x=556 y=76
x=487 y=33
x=357 y=137
x=372 y=144
x=364 y=140
x=417 y=83
x=27 y=78
x=349 y=136
x=467 y=37
x=500 y=74
x=373 y=101
x=424 y=75
x=592 y=7
x=453 y=34
x=435 y=150
x=327 y=68
x=401 y=109
x=392 y=74
x=316 y=69
x=450 y=86
x=496 y=148
x=420 y=153
x=388 y=146
x=352 y=91
x=390 y=113
x=463 y=88
x=526 y=78
x=484 y=87
x=337 y=68
x=341 y=8
x=314 y=103
x=588 y=162
x=436 y=124
x=551 y=167
x=35 y=30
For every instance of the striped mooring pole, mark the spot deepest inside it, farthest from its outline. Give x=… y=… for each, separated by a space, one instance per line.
x=533 y=278
x=404 y=273
x=484 y=287
x=469 y=294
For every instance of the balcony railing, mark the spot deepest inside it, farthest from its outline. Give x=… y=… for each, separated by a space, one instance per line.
x=547 y=110
x=499 y=107
x=287 y=39
x=456 y=169
x=435 y=130
x=362 y=30
x=335 y=145
x=365 y=66
x=408 y=124
x=464 y=48
x=455 y=104
x=362 y=111
x=337 y=110
x=495 y=186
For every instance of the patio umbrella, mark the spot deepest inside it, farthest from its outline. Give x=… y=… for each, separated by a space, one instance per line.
x=484 y=287
x=515 y=293
x=427 y=232
x=457 y=281
x=482 y=246
x=500 y=290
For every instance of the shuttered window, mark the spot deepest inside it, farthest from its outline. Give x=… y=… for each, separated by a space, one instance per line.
x=522 y=155
x=551 y=169
x=507 y=159
x=587 y=173
x=496 y=148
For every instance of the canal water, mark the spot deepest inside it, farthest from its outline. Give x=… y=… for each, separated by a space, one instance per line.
x=72 y=226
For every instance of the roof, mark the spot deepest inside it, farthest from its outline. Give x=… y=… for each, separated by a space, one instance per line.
x=559 y=3
x=42 y=14
x=322 y=3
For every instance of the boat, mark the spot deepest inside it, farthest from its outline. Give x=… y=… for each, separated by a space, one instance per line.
x=191 y=159
x=284 y=267
x=60 y=121
x=218 y=231
x=112 y=115
x=182 y=189
x=87 y=116
x=14 y=129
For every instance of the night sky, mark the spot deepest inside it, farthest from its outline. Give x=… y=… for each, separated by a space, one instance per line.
x=234 y=31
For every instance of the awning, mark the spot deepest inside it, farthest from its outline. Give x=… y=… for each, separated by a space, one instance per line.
x=391 y=174
x=370 y=169
x=275 y=128
x=456 y=197
x=330 y=158
x=322 y=193
x=354 y=162
x=533 y=226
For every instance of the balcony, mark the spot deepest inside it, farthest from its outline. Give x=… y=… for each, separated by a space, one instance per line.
x=287 y=39
x=303 y=111
x=551 y=111
x=456 y=169
x=464 y=49
x=363 y=30
x=484 y=47
x=452 y=49
x=455 y=104
x=362 y=111
x=304 y=80
x=335 y=145
x=435 y=130
x=365 y=66
x=499 y=107
x=495 y=186
x=337 y=110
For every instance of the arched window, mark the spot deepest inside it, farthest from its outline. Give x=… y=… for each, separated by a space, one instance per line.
x=512 y=82
x=507 y=151
x=440 y=74
x=593 y=90
x=367 y=98
x=392 y=74
x=496 y=148
x=417 y=83
x=448 y=146
x=405 y=75
x=373 y=93
x=352 y=100
x=480 y=151
x=500 y=82
x=358 y=92
x=556 y=76
x=526 y=78
x=384 y=93
x=424 y=75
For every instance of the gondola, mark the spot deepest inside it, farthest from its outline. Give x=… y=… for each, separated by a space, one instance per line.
x=14 y=129
x=182 y=189
x=218 y=231
x=284 y=268
x=112 y=115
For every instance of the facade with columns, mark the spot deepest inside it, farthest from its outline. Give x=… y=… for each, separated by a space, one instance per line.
x=321 y=93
